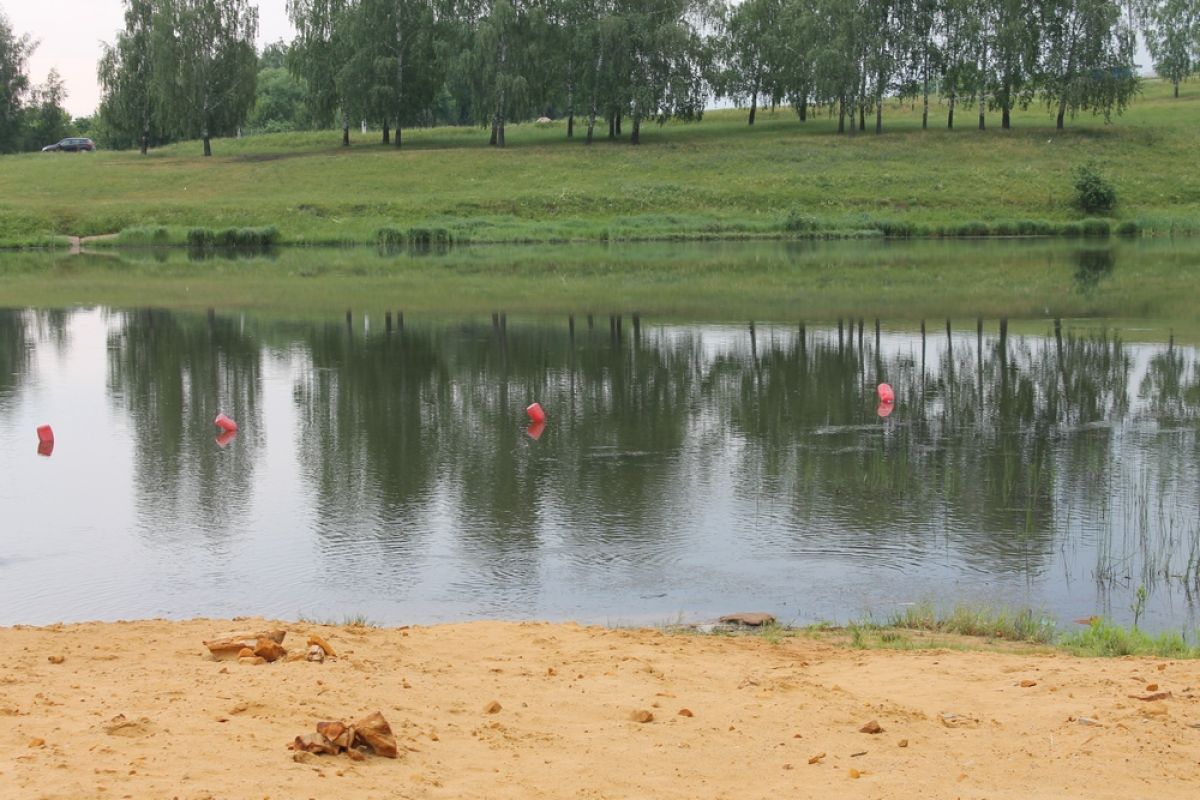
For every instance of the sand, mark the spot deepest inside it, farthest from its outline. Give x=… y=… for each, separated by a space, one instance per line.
x=139 y=710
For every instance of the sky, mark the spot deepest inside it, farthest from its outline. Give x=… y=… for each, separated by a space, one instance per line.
x=70 y=32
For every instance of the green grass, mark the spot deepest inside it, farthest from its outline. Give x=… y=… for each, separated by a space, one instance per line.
x=1020 y=625
x=896 y=281
x=926 y=625
x=715 y=179
x=1103 y=638
x=348 y=621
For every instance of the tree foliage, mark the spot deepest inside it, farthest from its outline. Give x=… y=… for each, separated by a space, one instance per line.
x=1172 y=31
x=183 y=67
x=204 y=65
x=14 y=84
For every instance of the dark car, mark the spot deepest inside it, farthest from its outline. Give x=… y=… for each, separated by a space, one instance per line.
x=72 y=145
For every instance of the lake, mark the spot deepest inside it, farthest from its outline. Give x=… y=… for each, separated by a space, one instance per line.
x=385 y=465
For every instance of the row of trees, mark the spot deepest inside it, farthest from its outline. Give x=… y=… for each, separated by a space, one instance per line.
x=31 y=116
x=184 y=68
x=1073 y=55
x=180 y=68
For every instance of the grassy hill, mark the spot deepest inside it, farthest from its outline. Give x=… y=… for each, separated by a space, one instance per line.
x=716 y=178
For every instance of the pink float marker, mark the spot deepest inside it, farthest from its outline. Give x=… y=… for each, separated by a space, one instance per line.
x=225 y=423
x=535 y=412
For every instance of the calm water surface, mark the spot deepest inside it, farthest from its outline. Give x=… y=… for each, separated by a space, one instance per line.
x=684 y=469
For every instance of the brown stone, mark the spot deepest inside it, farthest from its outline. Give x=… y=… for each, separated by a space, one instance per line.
x=816 y=759
x=1151 y=687
x=355 y=754
x=642 y=715
x=374 y=731
x=37 y=742
x=252 y=661
x=492 y=708
x=1151 y=697
x=1028 y=684
x=228 y=647
x=314 y=743
x=56 y=659
x=269 y=649
x=686 y=712
x=853 y=773
x=303 y=757
x=753 y=619
x=902 y=743
x=331 y=730
x=871 y=727
x=313 y=639
x=339 y=733
x=315 y=654
x=245 y=652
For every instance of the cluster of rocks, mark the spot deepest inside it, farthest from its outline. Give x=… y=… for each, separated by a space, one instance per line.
x=265 y=647
x=371 y=733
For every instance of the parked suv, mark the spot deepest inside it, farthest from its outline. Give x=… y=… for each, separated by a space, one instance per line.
x=72 y=145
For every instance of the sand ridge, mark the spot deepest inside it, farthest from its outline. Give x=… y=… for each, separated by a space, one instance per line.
x=138 y=710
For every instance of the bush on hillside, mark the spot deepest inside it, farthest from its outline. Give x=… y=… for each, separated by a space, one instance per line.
x=1093 y=193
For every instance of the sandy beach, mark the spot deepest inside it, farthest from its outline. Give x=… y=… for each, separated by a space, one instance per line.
x=140 y=710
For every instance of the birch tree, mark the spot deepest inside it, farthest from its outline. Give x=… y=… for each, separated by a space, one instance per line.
x=14 y=83
x=1087 y=59
x=126 y=74
x=205 y=65
x=318 y=55
x=1172 y=31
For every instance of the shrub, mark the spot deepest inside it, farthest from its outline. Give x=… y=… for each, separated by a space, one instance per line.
x=1071 y=230
x=1029 y=227
x=145 y=234
x=1004 y=229
x=1097 y=228
x=1129 y=229
x=390 y=236
x=201 y=238
x=1093 y=193
x=799 y=222
x=250 y=239
x=894 y=229
x=972 y=229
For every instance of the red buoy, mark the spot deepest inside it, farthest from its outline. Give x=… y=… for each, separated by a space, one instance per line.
x=886 y=395
x=45 y=434
x=535 y=412
x=535 y=430
x=225 y=438
x=225 y=423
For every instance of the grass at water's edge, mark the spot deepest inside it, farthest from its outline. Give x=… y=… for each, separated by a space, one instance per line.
x=716 y=179
x=963 y=627
x=891 y=281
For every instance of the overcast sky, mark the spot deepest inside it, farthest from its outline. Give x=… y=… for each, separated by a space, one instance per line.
x=70 y=33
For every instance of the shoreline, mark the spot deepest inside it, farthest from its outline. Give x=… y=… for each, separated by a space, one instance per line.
x=398 y=239
x=139 y=709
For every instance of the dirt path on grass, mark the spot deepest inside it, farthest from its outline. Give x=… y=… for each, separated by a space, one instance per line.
x=77 y=243
x=139 y=710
